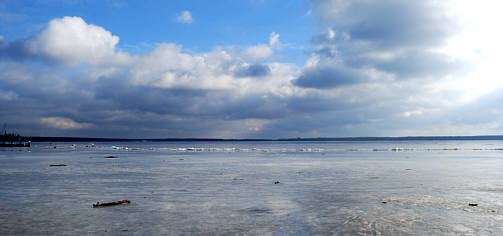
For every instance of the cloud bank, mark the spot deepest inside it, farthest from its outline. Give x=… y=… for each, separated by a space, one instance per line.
x=377 y=70
x=166 y=93
x=398 y=38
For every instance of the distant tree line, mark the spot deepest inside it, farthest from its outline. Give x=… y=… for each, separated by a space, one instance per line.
x=12 y=138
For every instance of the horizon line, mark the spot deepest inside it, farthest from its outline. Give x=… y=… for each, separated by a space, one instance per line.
x=356 y=138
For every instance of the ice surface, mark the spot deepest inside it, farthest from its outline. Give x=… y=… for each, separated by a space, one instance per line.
x=215 y=188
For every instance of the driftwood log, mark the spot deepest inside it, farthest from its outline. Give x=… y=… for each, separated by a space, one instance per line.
x=57 y=165
x=104 y=204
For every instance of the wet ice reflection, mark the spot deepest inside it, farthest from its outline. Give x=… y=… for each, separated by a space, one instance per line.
x=229 y=192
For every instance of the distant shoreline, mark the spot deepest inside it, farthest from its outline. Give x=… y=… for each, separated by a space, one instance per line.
x=355 y=139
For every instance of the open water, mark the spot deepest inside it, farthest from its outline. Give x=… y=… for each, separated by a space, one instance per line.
x=228 y=188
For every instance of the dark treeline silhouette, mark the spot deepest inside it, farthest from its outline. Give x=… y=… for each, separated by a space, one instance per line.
x=13 y=140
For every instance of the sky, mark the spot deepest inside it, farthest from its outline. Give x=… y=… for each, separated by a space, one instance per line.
x=251 y=68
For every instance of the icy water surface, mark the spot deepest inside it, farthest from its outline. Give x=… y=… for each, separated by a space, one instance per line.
x=227 y=188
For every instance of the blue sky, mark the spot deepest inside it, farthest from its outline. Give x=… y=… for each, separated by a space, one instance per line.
x=251 y=68
x=143 y=24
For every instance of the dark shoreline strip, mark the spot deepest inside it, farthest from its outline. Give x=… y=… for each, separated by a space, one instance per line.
x=341 y=139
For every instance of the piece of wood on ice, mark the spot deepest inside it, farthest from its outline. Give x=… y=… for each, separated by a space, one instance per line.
x=103 y=204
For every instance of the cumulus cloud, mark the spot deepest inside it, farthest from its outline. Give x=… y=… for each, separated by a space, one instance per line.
x=72 y=39
x=63 y=123
x=274 y=40
x=169 y=67
x=68 y=40
x=355 y=82
x=328 y=76
x=184 y=17
x=398 y=38
x=255 y=70
x=166 y=93
x=261 y=51
x=388 y=23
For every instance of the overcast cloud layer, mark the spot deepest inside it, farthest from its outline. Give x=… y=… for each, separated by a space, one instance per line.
x=377 y=69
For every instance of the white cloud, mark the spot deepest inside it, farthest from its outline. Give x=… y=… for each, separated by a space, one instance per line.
x=64 y=123
x=207 y=94
x=274 y=40
x=185 y=17
x=257 y=52
x=168 y=66
x=72 y=41
x=480 y=42
x=263 y=51
x=331 y=34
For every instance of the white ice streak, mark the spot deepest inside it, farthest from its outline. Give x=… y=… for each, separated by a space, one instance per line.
x=303 y=149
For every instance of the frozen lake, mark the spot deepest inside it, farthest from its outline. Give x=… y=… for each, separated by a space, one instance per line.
x=227 y=188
